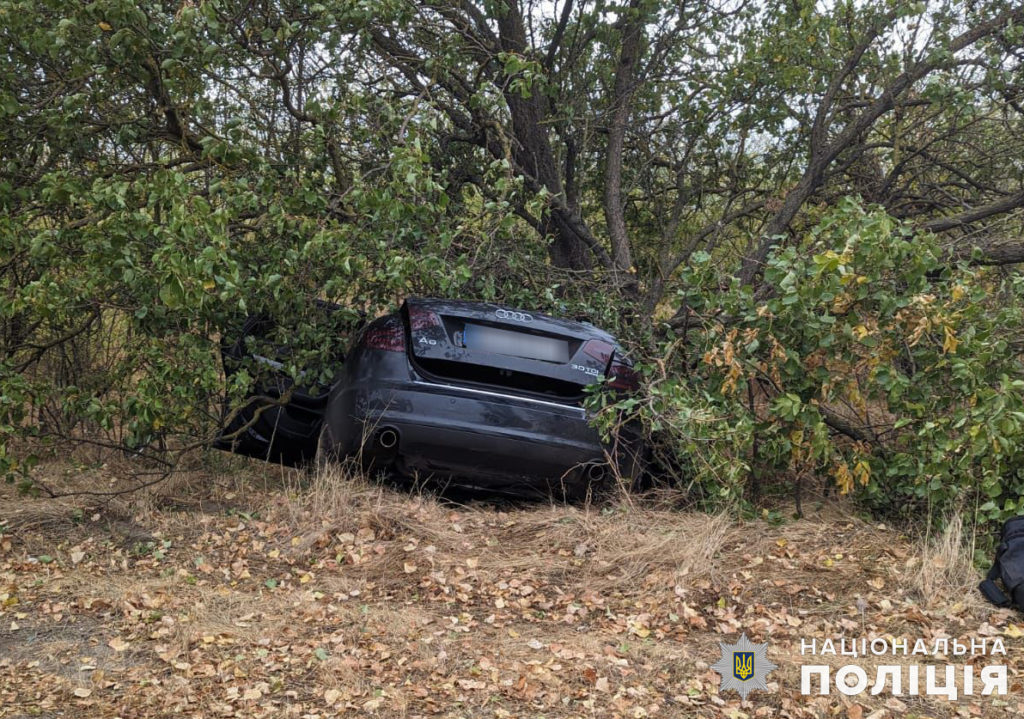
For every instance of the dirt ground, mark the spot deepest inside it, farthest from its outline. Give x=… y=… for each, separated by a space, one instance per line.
x=257 y=593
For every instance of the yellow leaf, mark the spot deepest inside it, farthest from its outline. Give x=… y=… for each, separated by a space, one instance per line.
x=104 y=26
x=862 y=472
x=1013 y=631
x=844 y=478
x=958 y=292
x=950 y=343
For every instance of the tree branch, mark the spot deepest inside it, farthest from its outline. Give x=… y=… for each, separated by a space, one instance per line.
x=942 y=224
x=822 y=156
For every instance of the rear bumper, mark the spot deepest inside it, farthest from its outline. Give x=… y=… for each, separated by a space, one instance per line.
x=487 y=437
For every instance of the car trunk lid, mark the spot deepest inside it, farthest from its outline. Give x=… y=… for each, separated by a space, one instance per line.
x=497 y=346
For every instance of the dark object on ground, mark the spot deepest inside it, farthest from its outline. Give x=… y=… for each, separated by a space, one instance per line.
x=477 y=394
x=1008 y=567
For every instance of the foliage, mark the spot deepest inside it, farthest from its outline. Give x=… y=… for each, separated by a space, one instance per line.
x=870 y=334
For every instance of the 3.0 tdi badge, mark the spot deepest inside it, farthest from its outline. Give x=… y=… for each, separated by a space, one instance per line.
x=744 y=666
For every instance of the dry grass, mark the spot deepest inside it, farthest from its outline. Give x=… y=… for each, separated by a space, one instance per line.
x=608 y=547
x=945 y=571
x=408 y=593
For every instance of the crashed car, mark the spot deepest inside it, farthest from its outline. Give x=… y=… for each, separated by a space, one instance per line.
x=477 y=394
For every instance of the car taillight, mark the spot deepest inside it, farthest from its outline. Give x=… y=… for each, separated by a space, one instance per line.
x=623 y=377
x=389 y=337
x=421 y=319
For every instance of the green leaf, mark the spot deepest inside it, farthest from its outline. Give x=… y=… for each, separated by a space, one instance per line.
x=172 y=293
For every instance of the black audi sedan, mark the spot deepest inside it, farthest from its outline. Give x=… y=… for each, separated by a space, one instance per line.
x=476 y=394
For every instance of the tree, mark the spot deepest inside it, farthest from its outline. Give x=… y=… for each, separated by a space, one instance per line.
x=170 y=167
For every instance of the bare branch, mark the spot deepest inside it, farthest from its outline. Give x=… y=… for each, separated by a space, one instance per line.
x=942 y=224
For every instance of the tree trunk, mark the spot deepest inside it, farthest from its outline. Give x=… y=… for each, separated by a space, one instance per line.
x=533 y=154
x=625 y=84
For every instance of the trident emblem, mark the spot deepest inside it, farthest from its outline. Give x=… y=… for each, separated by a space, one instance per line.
x=743 y=665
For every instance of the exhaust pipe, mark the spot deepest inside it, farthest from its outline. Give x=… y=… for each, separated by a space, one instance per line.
x=387 y=438
x=596 y=472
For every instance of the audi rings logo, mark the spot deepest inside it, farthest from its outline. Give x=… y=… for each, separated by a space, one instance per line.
x=511 y=315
